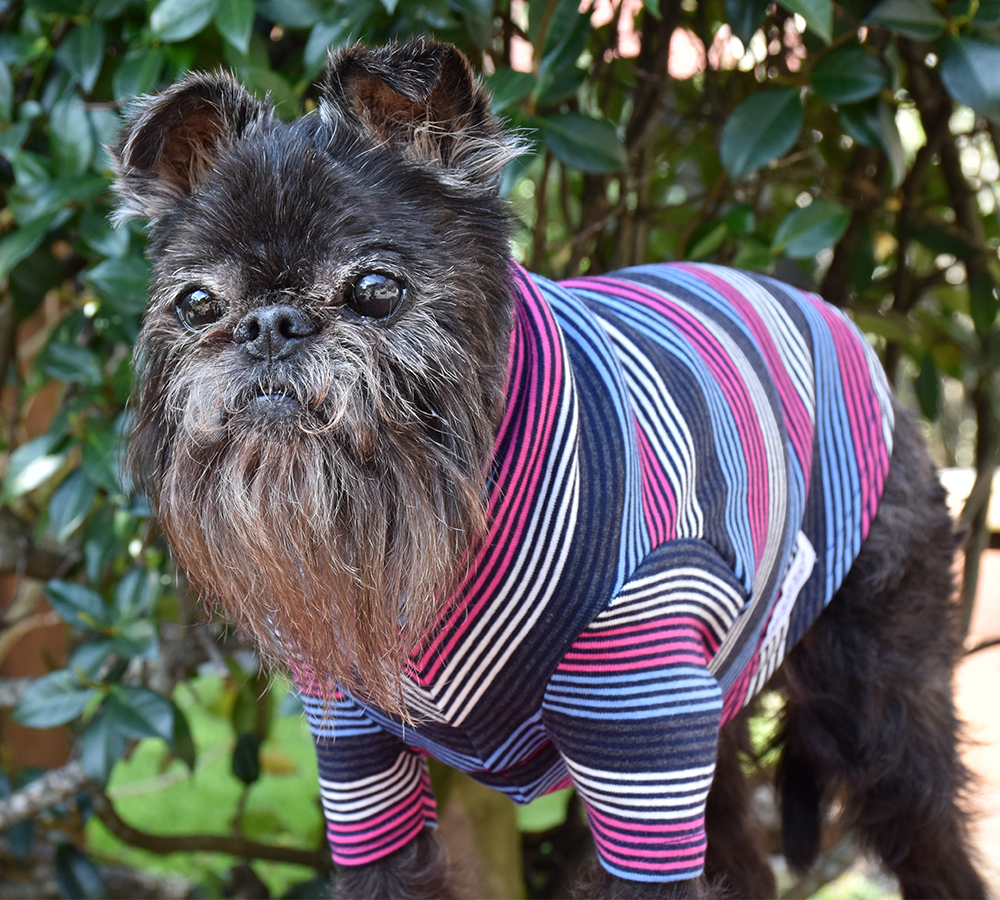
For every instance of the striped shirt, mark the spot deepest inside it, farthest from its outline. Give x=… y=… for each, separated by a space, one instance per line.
x=689 y=461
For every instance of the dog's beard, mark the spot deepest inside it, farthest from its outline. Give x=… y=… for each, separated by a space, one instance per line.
x=328 y=514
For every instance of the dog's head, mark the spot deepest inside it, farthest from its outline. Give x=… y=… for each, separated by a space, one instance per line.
x=321 y=367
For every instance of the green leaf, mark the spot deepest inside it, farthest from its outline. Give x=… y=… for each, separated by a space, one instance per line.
x=82 y=53
x=745 y=17
x=546 y=812
x=136 y=594
x=939 y=240
x=178 y=20
x=890 y=140
x=804 y=232
x=41 y=198
x=72 y=364
x=6 y=94
x=101 y=747
x=78 y=605
x=76 y=876
x=183 y=745
x=138 y=73
x=21 y=243
x=123 y=283
x=478 y=16
x=915 y=19
x=70 y=503
x=298 y=13
x=762 y=128
x=52 y=700
x=817 y=13
x=983 y=305
x=590 y=145
x=234 y=21
x=30 y=466
x=508 y=87
x=970 y=71
x=138 y=712
x=246 y=758
x=71 y=138
x=927 y=386
x=849 y=75
x=707 y=239
x=101 y=452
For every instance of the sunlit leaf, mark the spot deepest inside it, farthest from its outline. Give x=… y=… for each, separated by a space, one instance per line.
x=234 y=20
x=762 y=128
x=970 y=71
x=82 y=53
x=70 y=503
x=71 y=138
x=584 y=143
x=849 y=75
x=139 y=72
x=101 y=746
x=30 y=466
x=52 y=700
x=77 y=604
x=138 y=712
x=178 y=20
x=805 y=232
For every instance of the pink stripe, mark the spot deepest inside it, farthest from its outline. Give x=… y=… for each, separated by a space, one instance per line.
x=658 y=498
x=800 y=427
x=609 y=822
x=863 y=411
x=621 y=665
x=404 y=838
x=734 y=390
x=406 y=806
x=625 y=862
x=535 y=378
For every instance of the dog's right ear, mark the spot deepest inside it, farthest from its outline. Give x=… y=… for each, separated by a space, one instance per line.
x=171 y=140
x=422 y=99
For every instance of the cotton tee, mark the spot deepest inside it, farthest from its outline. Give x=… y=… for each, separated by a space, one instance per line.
x=689 y=461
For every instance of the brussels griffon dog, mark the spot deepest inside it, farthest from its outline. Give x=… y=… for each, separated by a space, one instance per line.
x=550 y=534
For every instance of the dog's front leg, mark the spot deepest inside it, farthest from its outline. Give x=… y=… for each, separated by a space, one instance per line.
x=417 y=871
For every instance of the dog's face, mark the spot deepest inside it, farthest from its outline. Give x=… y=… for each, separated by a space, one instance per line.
x=321 y=368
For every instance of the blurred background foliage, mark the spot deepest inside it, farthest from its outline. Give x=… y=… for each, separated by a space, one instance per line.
x=849 y=147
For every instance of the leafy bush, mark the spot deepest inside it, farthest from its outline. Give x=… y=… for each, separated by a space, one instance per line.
x=849 y=148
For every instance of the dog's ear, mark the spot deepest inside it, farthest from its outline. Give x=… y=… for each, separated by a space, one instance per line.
x=171 y=140
x=423 y=99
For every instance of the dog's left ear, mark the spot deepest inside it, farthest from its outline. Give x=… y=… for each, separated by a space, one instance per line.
x=171 y=141
x=423 y=99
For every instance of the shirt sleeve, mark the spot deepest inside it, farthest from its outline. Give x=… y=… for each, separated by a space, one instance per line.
x=635 y=712
x=375 y=789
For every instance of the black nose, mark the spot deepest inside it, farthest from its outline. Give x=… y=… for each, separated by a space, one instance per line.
x=273 y=332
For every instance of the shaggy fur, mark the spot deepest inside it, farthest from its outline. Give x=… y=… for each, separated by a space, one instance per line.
x=328 y=504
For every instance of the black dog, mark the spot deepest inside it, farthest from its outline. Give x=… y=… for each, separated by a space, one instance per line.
x=551 y=534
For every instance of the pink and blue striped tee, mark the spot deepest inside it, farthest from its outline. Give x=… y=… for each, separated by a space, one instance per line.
x=689 y=461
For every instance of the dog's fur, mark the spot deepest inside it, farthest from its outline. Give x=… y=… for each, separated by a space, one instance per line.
x=341 y=494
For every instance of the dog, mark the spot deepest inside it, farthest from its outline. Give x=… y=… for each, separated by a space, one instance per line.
x=551 y=534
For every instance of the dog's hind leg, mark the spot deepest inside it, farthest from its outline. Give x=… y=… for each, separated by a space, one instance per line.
x=736 y=861
x=870 y=719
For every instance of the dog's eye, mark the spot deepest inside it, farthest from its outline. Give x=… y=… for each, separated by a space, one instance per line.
x=198 y=308
x=376 y=296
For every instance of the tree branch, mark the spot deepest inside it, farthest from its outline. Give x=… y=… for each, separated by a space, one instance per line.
x=55 y=786
x=213 y=843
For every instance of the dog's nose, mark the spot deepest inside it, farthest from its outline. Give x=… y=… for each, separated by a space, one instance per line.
x=273 y=332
